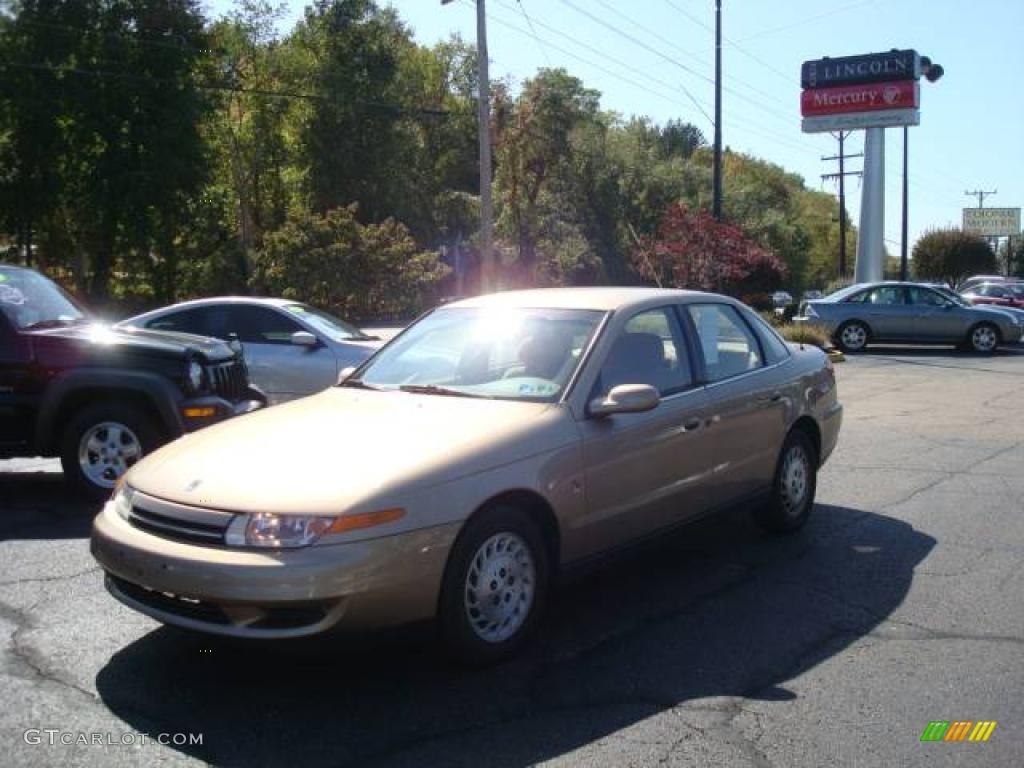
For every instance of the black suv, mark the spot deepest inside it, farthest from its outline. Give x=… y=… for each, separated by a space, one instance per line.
x=101 y=398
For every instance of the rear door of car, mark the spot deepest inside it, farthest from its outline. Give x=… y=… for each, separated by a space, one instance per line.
x=646 y=470
x=748 y=400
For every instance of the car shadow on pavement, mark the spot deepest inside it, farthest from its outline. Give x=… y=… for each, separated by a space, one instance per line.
x=40 y=505
x=718 y=613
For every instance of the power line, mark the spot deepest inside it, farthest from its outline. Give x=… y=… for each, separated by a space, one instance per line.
x=809 y=20
x=212 y=86
x=534 y=32
x=644 y=45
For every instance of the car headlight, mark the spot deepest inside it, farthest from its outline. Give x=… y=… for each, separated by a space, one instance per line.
x=124 y=495
x=195 y=376
x=273 y=531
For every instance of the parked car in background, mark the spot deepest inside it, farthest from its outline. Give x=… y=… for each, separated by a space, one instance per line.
x=495 y=442
x=102 y=398
x=974 y=280
x=962 y=301
x=812 y=295
x=782 y=298
x=292 y=349
x=1005 y=294
x=909 y=313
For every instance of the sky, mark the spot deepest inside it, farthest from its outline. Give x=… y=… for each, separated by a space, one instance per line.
x=656 y=58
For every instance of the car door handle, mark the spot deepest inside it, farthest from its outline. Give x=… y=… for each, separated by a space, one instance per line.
x=774 y=397
x=691 y=424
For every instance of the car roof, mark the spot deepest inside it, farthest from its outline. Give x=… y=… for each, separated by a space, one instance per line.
x=598 y=298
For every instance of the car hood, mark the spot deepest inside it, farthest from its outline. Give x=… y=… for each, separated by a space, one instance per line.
x=344 y=448
x=115 y=340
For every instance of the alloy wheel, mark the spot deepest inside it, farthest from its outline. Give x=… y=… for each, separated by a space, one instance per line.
x=984 y=339
x=106 y=451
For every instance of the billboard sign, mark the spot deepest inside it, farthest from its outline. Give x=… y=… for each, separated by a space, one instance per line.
x=992 y=222
x=854 y=121
x=868 y=68
x=867 y=97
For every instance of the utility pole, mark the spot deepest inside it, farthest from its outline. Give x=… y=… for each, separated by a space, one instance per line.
x=717 y=184
x=981 y=194
x=484 y=131
x=841 y=157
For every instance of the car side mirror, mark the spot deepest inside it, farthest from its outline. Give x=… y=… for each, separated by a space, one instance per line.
x=626 y=398
x=345 y=373
x=304 y=339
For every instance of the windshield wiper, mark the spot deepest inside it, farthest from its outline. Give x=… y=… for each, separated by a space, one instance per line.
x=434 y=389
x=359 y=384
x=54 y=322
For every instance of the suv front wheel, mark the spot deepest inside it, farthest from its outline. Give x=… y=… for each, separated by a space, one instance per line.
x=103 y=441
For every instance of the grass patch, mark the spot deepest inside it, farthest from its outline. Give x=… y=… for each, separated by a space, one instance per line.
x=805 y=333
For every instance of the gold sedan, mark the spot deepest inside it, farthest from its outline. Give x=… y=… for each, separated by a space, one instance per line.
x=493 y=443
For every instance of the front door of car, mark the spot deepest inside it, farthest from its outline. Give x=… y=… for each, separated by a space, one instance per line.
x=935 y=317
x=282 y=369
x=645 y=470
x=747 y=401
x=888 y=314
x=17 y=394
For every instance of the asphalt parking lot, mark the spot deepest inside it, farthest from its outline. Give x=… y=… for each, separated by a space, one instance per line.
x=900 y=604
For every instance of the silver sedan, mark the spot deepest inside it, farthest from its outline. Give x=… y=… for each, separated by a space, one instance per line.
x=911 y=313
x=291 y=348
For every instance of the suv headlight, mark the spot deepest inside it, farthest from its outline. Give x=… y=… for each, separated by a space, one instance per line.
x=267 y=530
x=195 y=376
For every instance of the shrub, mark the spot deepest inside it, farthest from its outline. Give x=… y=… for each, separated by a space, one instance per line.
x=760 y=302
x=805 y=333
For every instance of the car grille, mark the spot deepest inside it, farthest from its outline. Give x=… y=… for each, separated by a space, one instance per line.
x=170 y=521
x=229 y=380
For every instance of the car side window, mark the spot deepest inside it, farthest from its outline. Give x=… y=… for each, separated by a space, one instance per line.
x=885 y=295
x=259 y=325
x=926 y=297
x=775 y=348
x=729 y=346
x=186 y=321
x=648 y=350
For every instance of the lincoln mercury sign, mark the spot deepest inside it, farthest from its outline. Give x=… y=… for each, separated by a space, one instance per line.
x=992 y=222
x=877 y=90
x=869 y=68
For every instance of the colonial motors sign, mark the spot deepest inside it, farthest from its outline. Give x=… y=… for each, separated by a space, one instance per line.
x=992 y=222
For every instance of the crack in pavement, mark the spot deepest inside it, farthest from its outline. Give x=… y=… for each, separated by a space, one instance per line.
x=29 y=656
x=47 y=579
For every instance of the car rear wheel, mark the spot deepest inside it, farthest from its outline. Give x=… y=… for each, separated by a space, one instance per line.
x=852 y=336
x=102 y=442
x=495 y=585
x=983 y=338
x=793 y=488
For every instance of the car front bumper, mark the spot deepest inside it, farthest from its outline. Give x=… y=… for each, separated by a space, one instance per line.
x=198 y=412
x=364 y=585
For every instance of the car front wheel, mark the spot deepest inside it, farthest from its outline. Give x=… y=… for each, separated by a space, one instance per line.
x=983 y=338
x=103 y=441
x=852 y=336
x=793 y=488
x=495 y=585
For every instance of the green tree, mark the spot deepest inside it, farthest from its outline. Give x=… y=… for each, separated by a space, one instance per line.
x=951 y=255
x=358 y=270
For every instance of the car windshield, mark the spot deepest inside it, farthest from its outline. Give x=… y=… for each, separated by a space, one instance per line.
x=506 y=353
x=30 y=300
x=326 y=323
x=842 y=293
x=953 y=296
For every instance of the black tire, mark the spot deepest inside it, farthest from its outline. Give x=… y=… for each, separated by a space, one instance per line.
x=983 y=339
x=139 y=425
x=454 y=614
x=780 y=514
x=850 y=331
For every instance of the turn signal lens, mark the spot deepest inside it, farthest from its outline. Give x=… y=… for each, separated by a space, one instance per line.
x=199 y=413
x=365 y=520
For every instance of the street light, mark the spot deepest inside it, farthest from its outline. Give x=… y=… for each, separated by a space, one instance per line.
x=931 y=72
x=484 y=132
